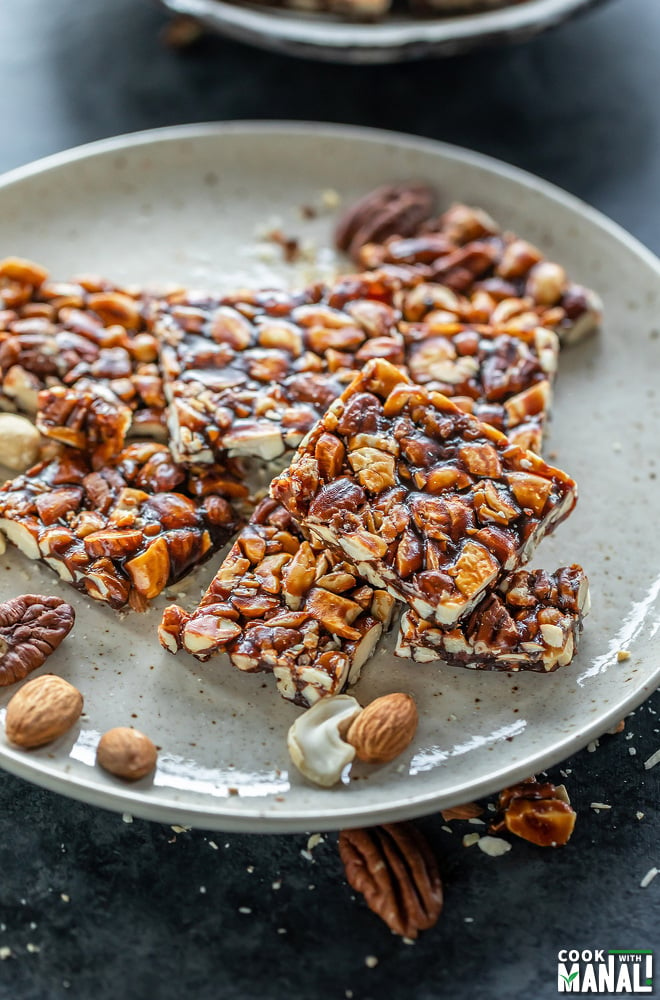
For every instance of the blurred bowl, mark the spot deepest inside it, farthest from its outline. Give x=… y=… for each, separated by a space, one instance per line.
x=399 y=37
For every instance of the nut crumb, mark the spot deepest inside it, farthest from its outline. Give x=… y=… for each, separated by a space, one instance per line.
x=623 y=655
x=639 y=815
x=446 y=828
x=593 y=746
x=632 y=751
x=494 y=846
x=407 y=940
x=34 y=949
x=276 y=885
x=281 y=930
x=306 y=855
x=471 y=838
x=244 y=909
x=180 y=829
x=202 y=890
x=314 y=841
x=652 y=761
x=597 y=806
x=65 y=897
x=330 y=198
x=468 y=920
x=648 y=878
x=127 y=818
x=371 y=961
x=213 y=845
x=5 y=953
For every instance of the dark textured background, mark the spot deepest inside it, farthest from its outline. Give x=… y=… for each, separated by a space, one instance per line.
x=148 y=913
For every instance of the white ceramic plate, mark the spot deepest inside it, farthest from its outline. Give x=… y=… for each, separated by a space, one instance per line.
x=399 y=37
x=183 y=204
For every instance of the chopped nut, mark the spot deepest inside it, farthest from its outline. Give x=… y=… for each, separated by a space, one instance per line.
x=20 y=442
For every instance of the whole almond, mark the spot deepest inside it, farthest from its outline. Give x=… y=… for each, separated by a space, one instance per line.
x=42 y=710
x=383 y=729
x=126 y=753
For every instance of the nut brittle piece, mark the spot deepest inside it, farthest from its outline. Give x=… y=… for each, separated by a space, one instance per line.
x=85 y=332
x=123 y=532
x=537 y=811
x=91 y=420
x=532 y=622
x=251 y=373
x=504 y=377
x=277 y=604
x=465 y=250
x=421 y=497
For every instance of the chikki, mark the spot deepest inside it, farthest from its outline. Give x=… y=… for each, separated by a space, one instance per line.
x=278 y=604
x=124 y=532
x=503 y=378
x=251 y=373
x=531 y=622
x=465 y=250
x=78 y=333
x=425 y=500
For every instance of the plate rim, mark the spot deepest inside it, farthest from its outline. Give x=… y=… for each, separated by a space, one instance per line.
x=253 y=819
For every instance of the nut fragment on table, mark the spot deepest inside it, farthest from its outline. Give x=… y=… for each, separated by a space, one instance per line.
x=20 y=442
x=279 y=604
x=536 y=811
x=42 y=710
x=124 y=532
x=384 y=728
x=126 y=753
x=31 y=628
x=315 y=740
x=423 y=498
x=394 y=868
x=532 y=621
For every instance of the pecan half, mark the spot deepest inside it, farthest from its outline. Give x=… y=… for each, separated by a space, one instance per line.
x=31 y=628
x=390 y=210
x=395 y=870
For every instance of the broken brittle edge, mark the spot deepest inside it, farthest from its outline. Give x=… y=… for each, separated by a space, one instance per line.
x=278 y=603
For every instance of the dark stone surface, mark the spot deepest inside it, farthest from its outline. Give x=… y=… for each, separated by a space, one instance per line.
x=579 y=106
